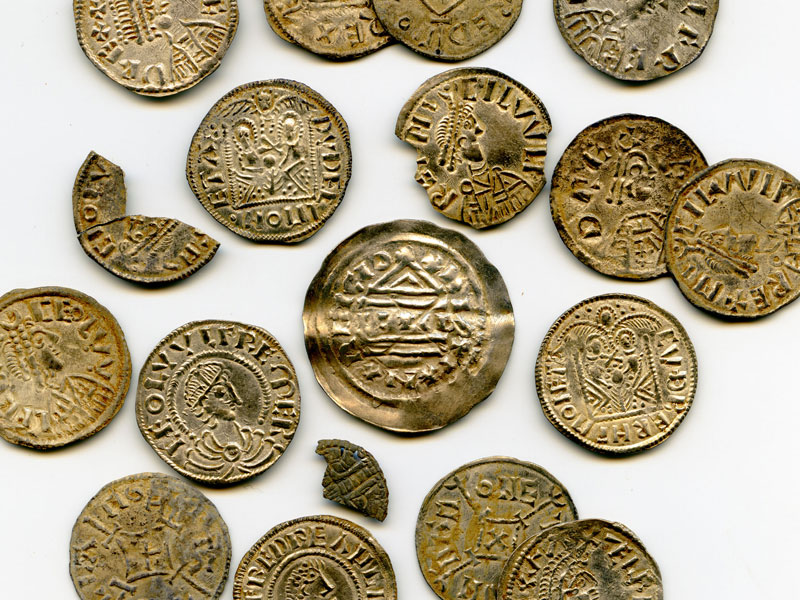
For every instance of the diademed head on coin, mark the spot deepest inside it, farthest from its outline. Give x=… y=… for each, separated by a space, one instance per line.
x=481 y=140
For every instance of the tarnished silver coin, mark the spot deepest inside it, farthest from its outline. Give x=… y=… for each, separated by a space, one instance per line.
x=314 y=558
x=474 y=518
x=156 y=47
x=65 y=367
x=616 y=374
x=582 y=560
x=733 y=239
x=448 y=29
x=481 y=140
x=637 y=40
x=149 y=536
x=408 y=326
x=218 y=401
x=271 y=161
x=613 y=189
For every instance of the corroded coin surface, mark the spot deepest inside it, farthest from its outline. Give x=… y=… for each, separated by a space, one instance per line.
x=218 y=401
x=590 y=559
x=733 y=239
x=156 y=47
x=271 y=161
x=65 y=365
x=316 y=557
x=481 y=140
x=472 y=521
x=448 y=29
x=149 y=536
x=617 y=374
x=613 y=189
x=336 y=29
x=408 y=326
x=637 y=40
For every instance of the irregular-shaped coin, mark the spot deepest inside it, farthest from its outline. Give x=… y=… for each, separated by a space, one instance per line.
x=474 y=518
x=408 y=326
x=141 y=249
x=156 y=48
x=149 y=536
x=481 y=140
x=636 y=40
x=65 y=364
x=354 y=478
x=613 y=189
x=616 y=374
x=218 y=401
x=316 y=557
x=583 y=559
x=448 y=29
x=271 y=161
x=335 y=29
x=733 y=239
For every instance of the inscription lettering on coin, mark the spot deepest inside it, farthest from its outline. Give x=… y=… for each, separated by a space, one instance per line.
x=407 y=325
x=271 y=161
x=474 y=518
x=733 y=239
x=149 y=536
x=156 y=47
x=142 y=249
x=448 y=29
x=218 y=401
x=589 y=559
x=313 y=558
x=481 y=140
x=613 y=189
x=617 y=374
x=637 y=40
x=64 y=367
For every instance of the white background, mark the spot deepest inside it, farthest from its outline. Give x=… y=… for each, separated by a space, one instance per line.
x=716 y=504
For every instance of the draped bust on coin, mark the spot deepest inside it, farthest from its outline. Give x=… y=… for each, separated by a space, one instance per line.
x=156 y=47
x=481 y=141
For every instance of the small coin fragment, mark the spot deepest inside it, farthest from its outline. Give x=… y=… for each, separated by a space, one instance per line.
x=616 y=374
x=149 y=536
x=474 y=518
x=408 y=326
x=582 y=559
x=448 y=29
x=732 y=239
x=271 y=161
x=316 y=557
x=65 y=364
x=481 y=140
x=613 y=189
x=156 y=48
x=354 y=478
x=636 y=40
x=218 y=401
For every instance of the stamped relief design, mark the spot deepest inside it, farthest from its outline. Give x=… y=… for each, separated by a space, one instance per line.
x=218 y=401
x=407 y=325
x=481 y=140
x=149 y=536
x=472 y=521
x=617 y=374
x=64 y=367
x=613 y=189
x=315 y=558
x=146 y=250
x=156 y=47
x=733 y=239
x=271 y=161
x=637 y=40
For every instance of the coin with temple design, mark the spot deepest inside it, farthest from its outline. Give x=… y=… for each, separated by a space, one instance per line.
x=218 y=401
